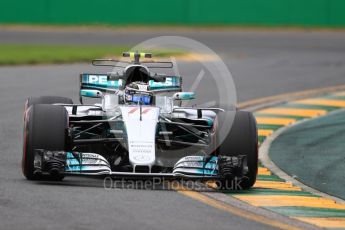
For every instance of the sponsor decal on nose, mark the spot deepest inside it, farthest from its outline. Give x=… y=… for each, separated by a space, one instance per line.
x=133 y=110
x=146 y=110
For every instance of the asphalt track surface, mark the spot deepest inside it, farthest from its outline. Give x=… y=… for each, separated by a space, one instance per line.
x=262 y=63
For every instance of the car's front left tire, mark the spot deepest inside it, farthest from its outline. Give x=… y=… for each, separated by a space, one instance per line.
x=242 y=140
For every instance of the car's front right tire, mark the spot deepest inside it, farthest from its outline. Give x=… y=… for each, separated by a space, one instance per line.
x=45 y=127
x=46 y=100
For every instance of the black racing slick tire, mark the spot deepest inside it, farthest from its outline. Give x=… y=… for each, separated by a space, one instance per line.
x=243 y=140
x=45 y=127
x=46 y=100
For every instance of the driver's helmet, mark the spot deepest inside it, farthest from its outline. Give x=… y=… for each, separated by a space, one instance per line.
x=138 y=93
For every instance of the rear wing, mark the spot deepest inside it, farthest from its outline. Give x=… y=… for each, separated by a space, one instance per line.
x=103 y=83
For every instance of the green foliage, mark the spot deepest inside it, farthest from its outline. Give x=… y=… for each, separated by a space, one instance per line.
x=19 y=54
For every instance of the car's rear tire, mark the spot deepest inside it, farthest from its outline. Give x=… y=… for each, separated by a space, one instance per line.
x=242 y=140
x=45 y=127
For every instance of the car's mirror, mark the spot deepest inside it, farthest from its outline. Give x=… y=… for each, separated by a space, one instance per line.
x=184 y=96
x=91 y=93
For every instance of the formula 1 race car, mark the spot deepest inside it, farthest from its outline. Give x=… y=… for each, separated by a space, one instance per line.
x=139 y=130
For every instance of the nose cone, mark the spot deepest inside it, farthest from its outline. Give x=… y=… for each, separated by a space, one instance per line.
x=141 y=124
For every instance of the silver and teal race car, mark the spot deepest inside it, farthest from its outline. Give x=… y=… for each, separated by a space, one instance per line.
x=137 y=130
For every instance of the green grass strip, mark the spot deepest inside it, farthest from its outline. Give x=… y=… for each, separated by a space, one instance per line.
x=269 y=178
x=308 y=211
x=272 y=127
x=19 y=54
x=335 y=97
x=261 y=139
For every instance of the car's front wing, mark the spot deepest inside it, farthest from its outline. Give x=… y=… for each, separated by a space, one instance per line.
x=92 y=164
